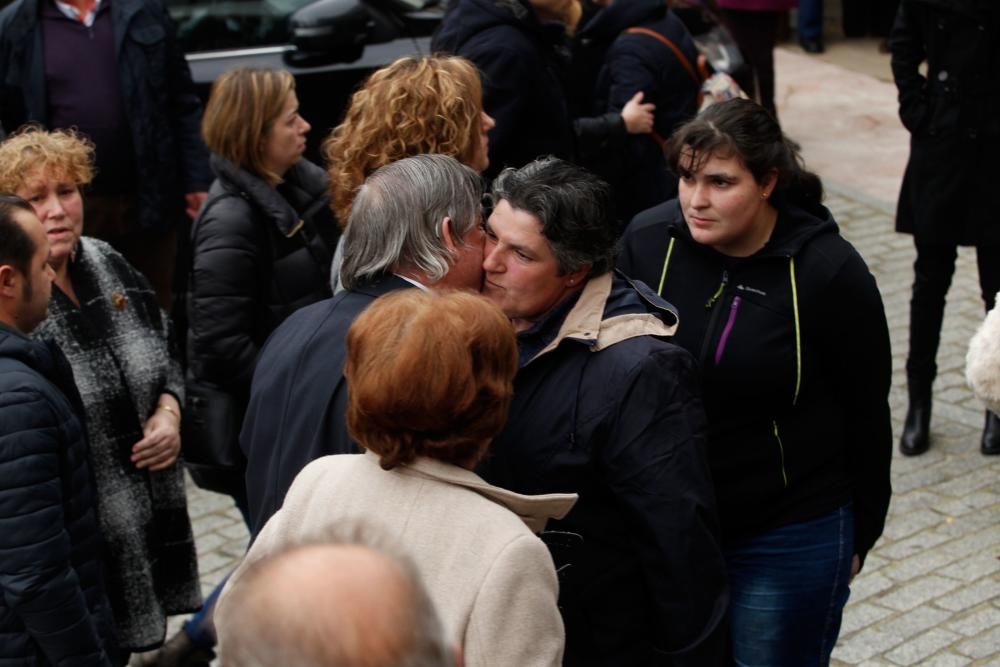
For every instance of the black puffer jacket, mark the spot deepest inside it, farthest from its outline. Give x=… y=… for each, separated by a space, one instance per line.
x=607 y=408
x=260 y=253
x=796 y=367
x=53 y=609
x=521 y=62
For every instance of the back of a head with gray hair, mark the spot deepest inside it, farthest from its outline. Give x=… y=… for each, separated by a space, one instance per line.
x=395 y=221
x=345 y=597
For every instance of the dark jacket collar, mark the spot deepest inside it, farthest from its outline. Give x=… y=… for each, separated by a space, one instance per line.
x=381 y=285
x=37 y=355
x=608 y=23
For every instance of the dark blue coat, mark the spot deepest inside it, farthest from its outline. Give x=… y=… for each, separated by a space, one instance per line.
x=163 y=110
x=53 y=609
x=606 y=407
x=520 y=60
x=299 y=397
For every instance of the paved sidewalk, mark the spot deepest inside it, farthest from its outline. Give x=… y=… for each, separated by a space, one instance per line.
x=930 y=591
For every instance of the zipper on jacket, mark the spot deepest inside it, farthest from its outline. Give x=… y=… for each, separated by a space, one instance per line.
x=722 y=288
x=781 y=452
x=721 y=347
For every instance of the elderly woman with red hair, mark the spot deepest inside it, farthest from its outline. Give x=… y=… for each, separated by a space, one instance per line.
x=431 y=378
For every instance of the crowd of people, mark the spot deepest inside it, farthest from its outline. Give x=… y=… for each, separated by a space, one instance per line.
x=542 y=366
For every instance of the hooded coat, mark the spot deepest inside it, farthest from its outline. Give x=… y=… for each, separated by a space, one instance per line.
x=604 y=406
x=53 y=607
x=953 y=115
x=521 y=61
x=796 y=368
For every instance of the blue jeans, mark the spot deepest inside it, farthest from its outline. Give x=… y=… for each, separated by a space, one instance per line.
x=788 y=591
x=810 y=23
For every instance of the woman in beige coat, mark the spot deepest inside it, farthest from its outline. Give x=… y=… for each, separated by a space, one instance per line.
x=430 y=379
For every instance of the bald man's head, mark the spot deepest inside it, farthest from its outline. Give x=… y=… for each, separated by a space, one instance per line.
x=330 y=605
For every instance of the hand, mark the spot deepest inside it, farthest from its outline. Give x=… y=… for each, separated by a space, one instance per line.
x=638 y=117
x=855 y=567
x=161 y=444
x=193 y=202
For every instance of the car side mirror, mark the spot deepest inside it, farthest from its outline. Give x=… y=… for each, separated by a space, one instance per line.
x=329 y=31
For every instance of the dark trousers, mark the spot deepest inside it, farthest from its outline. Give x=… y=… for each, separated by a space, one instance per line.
x=932 y=272
x=756 y=33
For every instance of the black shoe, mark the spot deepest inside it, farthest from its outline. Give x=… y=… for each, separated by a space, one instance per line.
x=812 y=45
x=916 y=438
x=990 y=445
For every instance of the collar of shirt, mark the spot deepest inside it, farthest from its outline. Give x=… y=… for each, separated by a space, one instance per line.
x=413 y=282
x=72 y=12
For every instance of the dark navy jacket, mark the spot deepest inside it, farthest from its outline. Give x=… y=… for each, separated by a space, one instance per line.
x=53 y=609
x=520 y=60
x=298 y=398
x=796 y=366
x=161 y=105
x=604 y=406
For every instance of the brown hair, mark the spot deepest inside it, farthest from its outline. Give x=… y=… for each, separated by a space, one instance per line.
x=429 y=374
x=412 y=106
x=241 y=109
x=33 y=149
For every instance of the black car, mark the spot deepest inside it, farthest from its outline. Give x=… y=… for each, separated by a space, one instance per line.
x=330 y=46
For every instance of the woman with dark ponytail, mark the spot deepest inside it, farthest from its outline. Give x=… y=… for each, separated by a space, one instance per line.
x=788 y=325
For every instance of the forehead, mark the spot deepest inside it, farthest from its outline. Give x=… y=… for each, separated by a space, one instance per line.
x=516 y=226
x=46 y=176
x=711 y=161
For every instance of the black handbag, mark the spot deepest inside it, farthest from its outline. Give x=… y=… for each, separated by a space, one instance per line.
x=210 y=437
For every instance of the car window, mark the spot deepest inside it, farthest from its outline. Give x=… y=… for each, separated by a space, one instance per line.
x=213 y=25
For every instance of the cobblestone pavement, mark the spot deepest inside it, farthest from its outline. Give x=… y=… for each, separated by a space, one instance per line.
x=930 y=591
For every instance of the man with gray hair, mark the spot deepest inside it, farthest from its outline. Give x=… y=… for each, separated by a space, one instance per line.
x=414 y=223
x=331 y=604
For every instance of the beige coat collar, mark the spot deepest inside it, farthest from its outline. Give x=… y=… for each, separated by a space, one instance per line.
x=586 y=320
x=535 y=511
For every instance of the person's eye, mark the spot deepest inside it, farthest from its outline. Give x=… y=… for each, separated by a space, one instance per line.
x=523 y=257
x=34 y=199
x=720 y=183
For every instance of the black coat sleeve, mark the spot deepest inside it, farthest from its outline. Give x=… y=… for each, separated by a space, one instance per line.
x=859 y=362
x=37 y=579
x=656 y=464
x=906 y=42
x=224 y=290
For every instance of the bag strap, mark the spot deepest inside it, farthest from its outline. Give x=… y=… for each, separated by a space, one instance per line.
x=670 y=45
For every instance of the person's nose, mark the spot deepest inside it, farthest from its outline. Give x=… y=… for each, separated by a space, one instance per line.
x=699 y=196
x=491 y=258
x=305 y=126
x=51 y=208
x=488 y=122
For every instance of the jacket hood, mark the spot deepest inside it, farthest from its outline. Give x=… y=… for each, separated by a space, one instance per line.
x=471 y=17
x=535 y=511
x=611 y=21
x=795 y=228
x=612 y=308
x=304 y=176
x=34 y=354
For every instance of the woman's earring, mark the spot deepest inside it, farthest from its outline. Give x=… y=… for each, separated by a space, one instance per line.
x=763 y=195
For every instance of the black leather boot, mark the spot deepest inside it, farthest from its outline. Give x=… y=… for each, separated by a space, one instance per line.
x=916 y=437
x=990 y=446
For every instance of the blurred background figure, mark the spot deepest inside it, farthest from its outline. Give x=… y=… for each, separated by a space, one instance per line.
x=415 y=105
x=624 y=49
x=328 y=603
x=105 y=317
x=53 y=607
x=262 y=243
x=953 y=115
x=491 y=579
x=796 y=394
x=810 y=26
x=755 y=24
x=870 y=17
x=114 y=72
x=521 y=49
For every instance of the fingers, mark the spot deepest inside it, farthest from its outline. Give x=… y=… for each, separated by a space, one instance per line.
x=157 y=450
x=637 y=98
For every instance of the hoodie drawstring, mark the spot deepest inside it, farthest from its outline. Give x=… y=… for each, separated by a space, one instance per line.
x=798 y=336
x=666 y=263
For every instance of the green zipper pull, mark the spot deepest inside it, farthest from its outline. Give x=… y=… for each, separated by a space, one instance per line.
x=722 y=287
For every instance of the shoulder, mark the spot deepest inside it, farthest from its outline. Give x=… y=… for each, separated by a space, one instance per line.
x=226 y=215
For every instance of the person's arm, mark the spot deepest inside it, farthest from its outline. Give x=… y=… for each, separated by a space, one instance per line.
x=656 y=466
x=906 y=42
x=37 y=579
x=224 y=294
x=516 y=620
x=858 y=361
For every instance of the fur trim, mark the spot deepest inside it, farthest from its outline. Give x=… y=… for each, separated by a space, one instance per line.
x=982 y=363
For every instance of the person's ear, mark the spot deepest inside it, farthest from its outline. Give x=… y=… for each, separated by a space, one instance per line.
x=770 y=180
x=447 y=235
x=9 y=281
x=575 y=278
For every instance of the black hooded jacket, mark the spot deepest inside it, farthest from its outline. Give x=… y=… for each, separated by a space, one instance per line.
x=796 y=366
x=521 y=61
x=53 y=608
